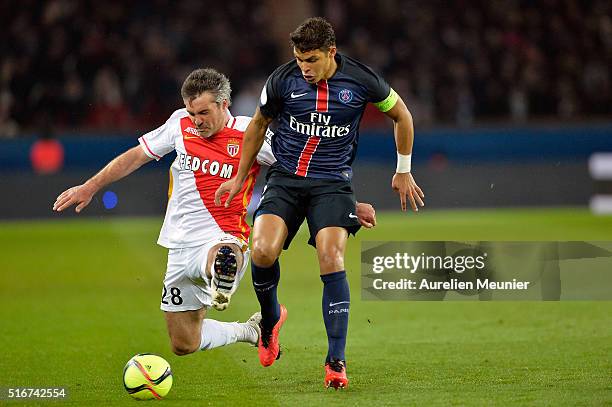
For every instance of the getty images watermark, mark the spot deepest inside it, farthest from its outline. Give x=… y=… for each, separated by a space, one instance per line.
x=486 y=270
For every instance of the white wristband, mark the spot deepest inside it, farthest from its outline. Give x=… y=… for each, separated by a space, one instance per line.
x=403 y=163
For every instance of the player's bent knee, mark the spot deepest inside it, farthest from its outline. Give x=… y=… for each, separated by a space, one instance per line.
x=263 y=255
x=263 y=259
x=331 y=260
x=184 y=330
x=183 y=348
x=331 y=264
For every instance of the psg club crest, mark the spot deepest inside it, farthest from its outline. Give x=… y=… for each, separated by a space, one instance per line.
x=233 y=148
x=345 y=96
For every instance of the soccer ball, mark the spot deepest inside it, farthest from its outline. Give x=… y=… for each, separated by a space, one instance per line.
x=147 y=376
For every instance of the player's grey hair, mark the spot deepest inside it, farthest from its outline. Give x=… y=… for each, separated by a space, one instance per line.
x=207 y=80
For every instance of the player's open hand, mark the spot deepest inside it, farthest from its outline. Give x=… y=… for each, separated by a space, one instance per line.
x=407 y=189
x=231 y=187
x=365 y=214
x=80 y=195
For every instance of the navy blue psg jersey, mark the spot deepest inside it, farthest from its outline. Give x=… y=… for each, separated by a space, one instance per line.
x=318 y=124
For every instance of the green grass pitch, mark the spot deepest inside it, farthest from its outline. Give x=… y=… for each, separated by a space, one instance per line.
x=80 y=297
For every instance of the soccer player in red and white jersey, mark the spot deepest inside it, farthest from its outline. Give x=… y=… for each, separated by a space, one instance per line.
x=208 y=245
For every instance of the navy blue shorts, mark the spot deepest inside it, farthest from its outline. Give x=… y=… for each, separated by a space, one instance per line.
x=322 y=202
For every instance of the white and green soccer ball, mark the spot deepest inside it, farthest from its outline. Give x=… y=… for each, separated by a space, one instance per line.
x=147 y=376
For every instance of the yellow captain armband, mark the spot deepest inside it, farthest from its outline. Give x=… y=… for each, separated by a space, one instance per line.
x=388 y=103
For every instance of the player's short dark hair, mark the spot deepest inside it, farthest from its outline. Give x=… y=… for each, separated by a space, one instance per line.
x=207 y=80
x=314 y=33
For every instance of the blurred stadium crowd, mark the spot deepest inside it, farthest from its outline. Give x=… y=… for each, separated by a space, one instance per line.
x=117 y=67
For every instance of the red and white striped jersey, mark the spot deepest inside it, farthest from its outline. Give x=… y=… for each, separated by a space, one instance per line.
x=200 y=167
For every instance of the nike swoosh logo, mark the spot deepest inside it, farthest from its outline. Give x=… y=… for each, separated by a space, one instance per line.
x=293 y=95
x=353 y=216
x=332 y=304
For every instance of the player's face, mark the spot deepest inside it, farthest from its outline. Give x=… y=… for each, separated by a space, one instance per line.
x=207 y=115
x=316 y=64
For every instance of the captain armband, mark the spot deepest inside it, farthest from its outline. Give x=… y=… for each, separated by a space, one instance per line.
x=388 y=103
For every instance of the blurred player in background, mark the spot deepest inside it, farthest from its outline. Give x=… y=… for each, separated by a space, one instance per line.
x=318 y=100
x=208 y=245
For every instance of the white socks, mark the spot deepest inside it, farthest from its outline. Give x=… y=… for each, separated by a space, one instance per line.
x=216 y=333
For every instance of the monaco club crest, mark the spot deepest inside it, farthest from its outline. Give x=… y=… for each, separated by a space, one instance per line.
x=232 y=148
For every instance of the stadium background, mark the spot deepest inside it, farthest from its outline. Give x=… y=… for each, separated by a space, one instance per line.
x=511 y=99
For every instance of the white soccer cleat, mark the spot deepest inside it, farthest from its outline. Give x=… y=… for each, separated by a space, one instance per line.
x=224 y=275
x=221 y=301
x=254 y=322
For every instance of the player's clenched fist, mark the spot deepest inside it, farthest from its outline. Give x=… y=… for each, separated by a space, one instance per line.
x=406 y=187
x=365 y=214
x=80 y=195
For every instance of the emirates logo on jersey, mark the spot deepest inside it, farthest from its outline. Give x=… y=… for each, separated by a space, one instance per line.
x=233 y=147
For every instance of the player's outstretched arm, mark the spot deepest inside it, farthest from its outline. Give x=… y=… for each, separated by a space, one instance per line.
x=253 y=139
x=118 y=168
x=403 y=183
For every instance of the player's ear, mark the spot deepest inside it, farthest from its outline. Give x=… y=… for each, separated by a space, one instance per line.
x=224 y=104
x=332 y=51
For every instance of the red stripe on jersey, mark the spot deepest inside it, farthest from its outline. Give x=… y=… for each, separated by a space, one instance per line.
x=148 y=148
x=306 y=156
x=233 y=122
x=211 y=150
x=322 y=96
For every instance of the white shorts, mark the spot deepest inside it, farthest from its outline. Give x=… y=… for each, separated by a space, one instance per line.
x=186 y=286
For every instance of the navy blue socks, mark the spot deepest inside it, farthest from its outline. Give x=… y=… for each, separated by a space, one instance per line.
x=336 y=302
x=265 y=282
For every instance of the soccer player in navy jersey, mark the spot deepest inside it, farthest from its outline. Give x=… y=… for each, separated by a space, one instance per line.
x=318 y=100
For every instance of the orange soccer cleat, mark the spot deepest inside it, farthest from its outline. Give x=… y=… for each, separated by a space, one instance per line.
x=335 y=374
x=268 y=346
